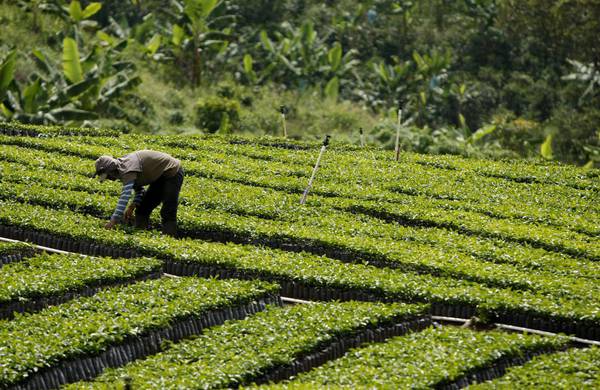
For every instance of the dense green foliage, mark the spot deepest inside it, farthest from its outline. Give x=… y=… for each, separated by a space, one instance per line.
x=47 y=275
x=422 y=360
x=239 y=351
x=7 y=248
x=89 y=325
x=421 y=233
x=503 y=241
x=490 y=77
x=576 y=369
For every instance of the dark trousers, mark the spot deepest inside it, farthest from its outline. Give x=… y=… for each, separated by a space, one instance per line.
x=165 y=191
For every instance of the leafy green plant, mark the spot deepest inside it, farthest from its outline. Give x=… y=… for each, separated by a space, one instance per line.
x=575 y=368
x=236 y=352
x=546 y=148
x=408 y=361
x=191 y=37
x=84 y=89
x=217 y=114
x=78 y=18
x=88 y=326
x=298 y=56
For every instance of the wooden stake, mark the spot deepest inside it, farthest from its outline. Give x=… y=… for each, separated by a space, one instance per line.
x=362 y=138
x=283 y=110
x=284 y=127
x=397 y=149
x=314 y=172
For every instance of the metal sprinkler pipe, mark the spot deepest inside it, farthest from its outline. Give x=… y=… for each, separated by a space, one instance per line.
x=314 y=172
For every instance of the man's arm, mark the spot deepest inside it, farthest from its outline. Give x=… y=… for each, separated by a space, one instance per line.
x=139 y=195
x=121 y=204
x=137 y=200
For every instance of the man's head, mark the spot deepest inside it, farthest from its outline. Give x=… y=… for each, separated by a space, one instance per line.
x=107 y=168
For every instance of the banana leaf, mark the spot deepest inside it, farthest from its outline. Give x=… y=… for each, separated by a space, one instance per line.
x=91 y=10
x=72 y=114
x=71 y=63
x=117 y=89
x=7 y=71
x=29 y=96
x=42 y=63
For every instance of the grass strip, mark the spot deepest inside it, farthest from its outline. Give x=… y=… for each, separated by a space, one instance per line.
x=275 y=342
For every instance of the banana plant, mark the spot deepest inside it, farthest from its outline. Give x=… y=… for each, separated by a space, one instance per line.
x=80 y=89
x=197 y=34
x=299 y=56
x=77 y=18
x=191 y=36
x=393 y=79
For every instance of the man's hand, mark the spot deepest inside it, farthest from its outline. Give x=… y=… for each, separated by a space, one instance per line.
x=110 y=224
x=129 y=212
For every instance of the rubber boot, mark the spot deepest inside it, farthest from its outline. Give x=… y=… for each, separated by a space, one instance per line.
x=170 y=228
x=142 y=221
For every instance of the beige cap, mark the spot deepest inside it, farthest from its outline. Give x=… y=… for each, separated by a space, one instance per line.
x=105 y=164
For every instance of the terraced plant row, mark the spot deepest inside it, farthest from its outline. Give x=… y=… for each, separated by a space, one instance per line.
x=13 y=252
x=281 y=209
x=344 y=177
x=80 y=338
x=309 y=276
x=573 y=369
x=434 y=358
x=362 y=242
x=275 y=343
x=44 y=279
x=504 y=241
x=517 y=171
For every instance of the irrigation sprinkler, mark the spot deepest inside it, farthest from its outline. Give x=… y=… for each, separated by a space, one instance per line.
x=362 y=137
x=314 y=172
x=283 y=110
x=397 y=149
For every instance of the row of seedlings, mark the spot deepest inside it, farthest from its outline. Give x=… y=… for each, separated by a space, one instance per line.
x=335 y=244
x=309 y=276
x=79 y=339
x=273 y=344
x=517 y=171
x=214 y=166
x=477 y=223
x=471 y=223
x=441 y=358
x=26 y=130
x=214 y=195
x=43 y=280
x=14 y=252
x=571 y=369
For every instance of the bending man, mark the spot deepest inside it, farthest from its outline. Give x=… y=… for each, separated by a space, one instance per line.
x=160 y=171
